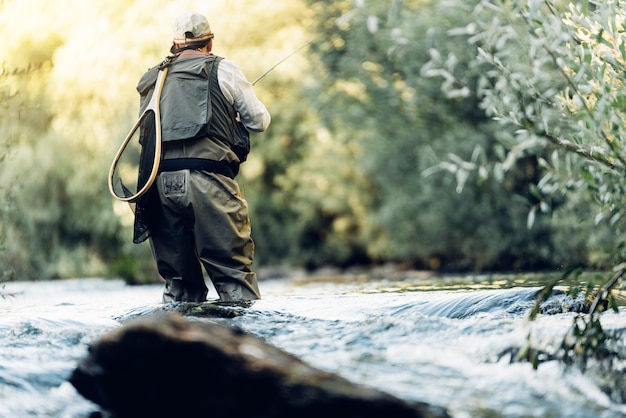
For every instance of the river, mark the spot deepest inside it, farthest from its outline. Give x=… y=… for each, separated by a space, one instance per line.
x=432 y=339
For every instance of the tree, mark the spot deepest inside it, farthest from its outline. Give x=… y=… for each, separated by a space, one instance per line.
x=7 y=103
x=373 y=97
x=552 y=74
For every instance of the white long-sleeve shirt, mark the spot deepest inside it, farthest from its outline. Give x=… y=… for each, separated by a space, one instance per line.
x=238 y=91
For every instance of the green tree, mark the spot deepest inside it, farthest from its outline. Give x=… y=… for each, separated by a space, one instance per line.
x=552 y=74
x=9 y=103
x=374 y=98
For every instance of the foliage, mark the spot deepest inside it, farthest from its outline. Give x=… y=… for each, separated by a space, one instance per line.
x=553 y=77
x=374 y=98
x=339 y=177
x=10 y=106
x=552 y=74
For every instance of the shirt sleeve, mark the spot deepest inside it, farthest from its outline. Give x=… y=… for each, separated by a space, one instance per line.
x=238 y=91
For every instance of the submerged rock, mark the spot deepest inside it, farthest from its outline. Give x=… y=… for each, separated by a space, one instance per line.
x=208 y=309
x=165 y=365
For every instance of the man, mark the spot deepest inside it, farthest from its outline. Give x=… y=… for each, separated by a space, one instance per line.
x=195 y=215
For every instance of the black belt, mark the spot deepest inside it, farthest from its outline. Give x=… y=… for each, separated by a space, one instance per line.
x=218 y=167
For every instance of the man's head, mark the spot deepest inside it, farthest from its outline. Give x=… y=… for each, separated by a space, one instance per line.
x=191 y=30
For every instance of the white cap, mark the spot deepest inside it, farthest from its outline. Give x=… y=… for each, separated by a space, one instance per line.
x=191 y=27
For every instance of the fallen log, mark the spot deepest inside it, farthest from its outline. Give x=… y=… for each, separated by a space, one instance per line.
x=165 y=365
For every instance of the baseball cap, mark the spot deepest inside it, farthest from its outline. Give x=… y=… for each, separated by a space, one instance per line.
x=191 y=27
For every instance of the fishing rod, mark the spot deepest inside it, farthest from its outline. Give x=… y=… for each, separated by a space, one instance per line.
x=281 y=61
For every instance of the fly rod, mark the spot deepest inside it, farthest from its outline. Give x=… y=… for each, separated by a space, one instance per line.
x=280 y=62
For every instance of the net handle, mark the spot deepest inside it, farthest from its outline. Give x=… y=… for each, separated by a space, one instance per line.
x=153 y=106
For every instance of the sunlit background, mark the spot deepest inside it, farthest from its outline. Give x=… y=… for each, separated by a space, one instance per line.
x=69 y=99
x=339 y=180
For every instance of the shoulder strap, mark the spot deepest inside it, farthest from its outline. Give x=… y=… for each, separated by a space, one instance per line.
x=208 y=69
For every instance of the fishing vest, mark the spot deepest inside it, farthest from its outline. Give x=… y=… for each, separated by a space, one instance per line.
x=193 y=105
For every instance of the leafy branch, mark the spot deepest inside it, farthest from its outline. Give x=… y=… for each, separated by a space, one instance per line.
x=556 y=76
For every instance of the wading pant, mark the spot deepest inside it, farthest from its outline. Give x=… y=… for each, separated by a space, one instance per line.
x=202 y=221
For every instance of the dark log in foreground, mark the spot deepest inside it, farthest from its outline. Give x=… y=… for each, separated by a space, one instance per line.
x=165 y=365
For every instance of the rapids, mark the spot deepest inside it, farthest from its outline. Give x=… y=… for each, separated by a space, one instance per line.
x=432 y=339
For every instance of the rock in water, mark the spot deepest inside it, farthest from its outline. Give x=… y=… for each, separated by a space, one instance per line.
x=164 y=365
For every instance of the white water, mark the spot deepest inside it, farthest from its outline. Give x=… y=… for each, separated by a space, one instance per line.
x=437 y=346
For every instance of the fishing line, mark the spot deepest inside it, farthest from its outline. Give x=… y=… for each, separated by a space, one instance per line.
x=281 y=61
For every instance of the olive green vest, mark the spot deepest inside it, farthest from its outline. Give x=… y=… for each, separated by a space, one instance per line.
x=192 y=104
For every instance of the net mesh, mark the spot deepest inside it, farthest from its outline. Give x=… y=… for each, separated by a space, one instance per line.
x=147 y=141
x=132 y=172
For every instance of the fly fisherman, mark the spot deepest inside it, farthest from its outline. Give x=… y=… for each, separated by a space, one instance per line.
x=195 y=215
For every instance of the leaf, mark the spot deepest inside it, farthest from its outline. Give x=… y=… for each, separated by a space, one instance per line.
x=530 y=221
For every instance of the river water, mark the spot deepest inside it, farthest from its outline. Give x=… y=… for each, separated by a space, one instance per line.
x=431 y=339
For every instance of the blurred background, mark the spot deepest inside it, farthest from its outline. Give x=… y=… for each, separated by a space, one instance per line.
x=340 y=178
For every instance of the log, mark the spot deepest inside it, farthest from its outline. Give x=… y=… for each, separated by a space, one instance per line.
x=165 y=365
